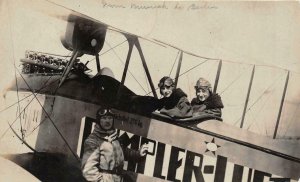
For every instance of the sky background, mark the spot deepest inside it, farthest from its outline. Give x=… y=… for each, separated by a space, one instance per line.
x=241 y=34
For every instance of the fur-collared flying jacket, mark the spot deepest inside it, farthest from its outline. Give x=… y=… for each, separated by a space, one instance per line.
x=176 y=106
x=212 y=106
x=103 y=157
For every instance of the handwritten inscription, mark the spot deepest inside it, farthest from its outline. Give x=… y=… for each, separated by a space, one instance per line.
x=157 y=6
x=162 y=6
x=205 y=5
x=109 y=5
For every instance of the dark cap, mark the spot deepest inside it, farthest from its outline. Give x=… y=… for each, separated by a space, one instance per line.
x=166 y=81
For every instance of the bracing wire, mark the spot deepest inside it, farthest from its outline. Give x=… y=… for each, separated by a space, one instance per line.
x=43 y=86
x=147 y=84
x=128 y=69
x=291 y=120
x=30 y=94
x=164 y=44
x=264 y=92
x=257 y=65
x=14 y=62
x=17 y=117
x=20 y=112
x=249 y=108
x=183 y=73
x=253 y=123
x=41 y=122
x=110 y=49
x=193 y=68
x=17 y=87
x=230 y=84
x=210 y=69
x=22 y=139
x=63 y=138
x=259 y=111
x=174 y=63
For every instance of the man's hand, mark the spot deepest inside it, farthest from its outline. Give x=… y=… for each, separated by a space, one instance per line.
x=144 y=149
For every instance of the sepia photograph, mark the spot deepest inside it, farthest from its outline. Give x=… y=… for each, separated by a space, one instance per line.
x=149 y=91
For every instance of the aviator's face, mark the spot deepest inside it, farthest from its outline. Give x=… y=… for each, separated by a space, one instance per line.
x=202 y=94
x=166 y=91
x=106 y=122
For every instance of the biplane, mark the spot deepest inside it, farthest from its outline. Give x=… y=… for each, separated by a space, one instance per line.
x=54 y=99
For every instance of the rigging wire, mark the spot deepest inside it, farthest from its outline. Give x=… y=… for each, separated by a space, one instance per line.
x=23 y=111
x=236 y=79
x=30 y=94
x=128 y=69
x=292 y=118
x=41 y=122
x=174 y=63
x=43 y=86
x=164 y=44
x=22 y=139
x=58 y=85
x=14 y=62
x=63 y=138
x=17 y=87
x=193 y=68
x=211 y=68
x=147 y=83
x=43 y=110
x=254 y=122
x=260 y=65
x=149 y=92
x=260 y=96
x=266 y=90
x=183 y=73
x=259 y=111
x=111 y=48
x=20 y=113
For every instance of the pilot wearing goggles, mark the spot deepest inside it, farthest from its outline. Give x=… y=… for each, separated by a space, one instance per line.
x=103 y=157
x=105 y=119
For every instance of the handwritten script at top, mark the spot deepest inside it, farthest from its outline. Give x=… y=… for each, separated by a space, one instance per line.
x=156 y=5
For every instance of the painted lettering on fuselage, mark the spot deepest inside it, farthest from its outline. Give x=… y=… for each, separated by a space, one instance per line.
x=177 y=164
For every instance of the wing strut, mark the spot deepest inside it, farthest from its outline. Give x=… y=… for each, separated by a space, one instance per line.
x=217 y=77
x=178 y=68
x=130 y=44
x=138 y=46
x=134 y=41
x=281 y=103
x=247 y=98
x=69 y=67
x=98 y=62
